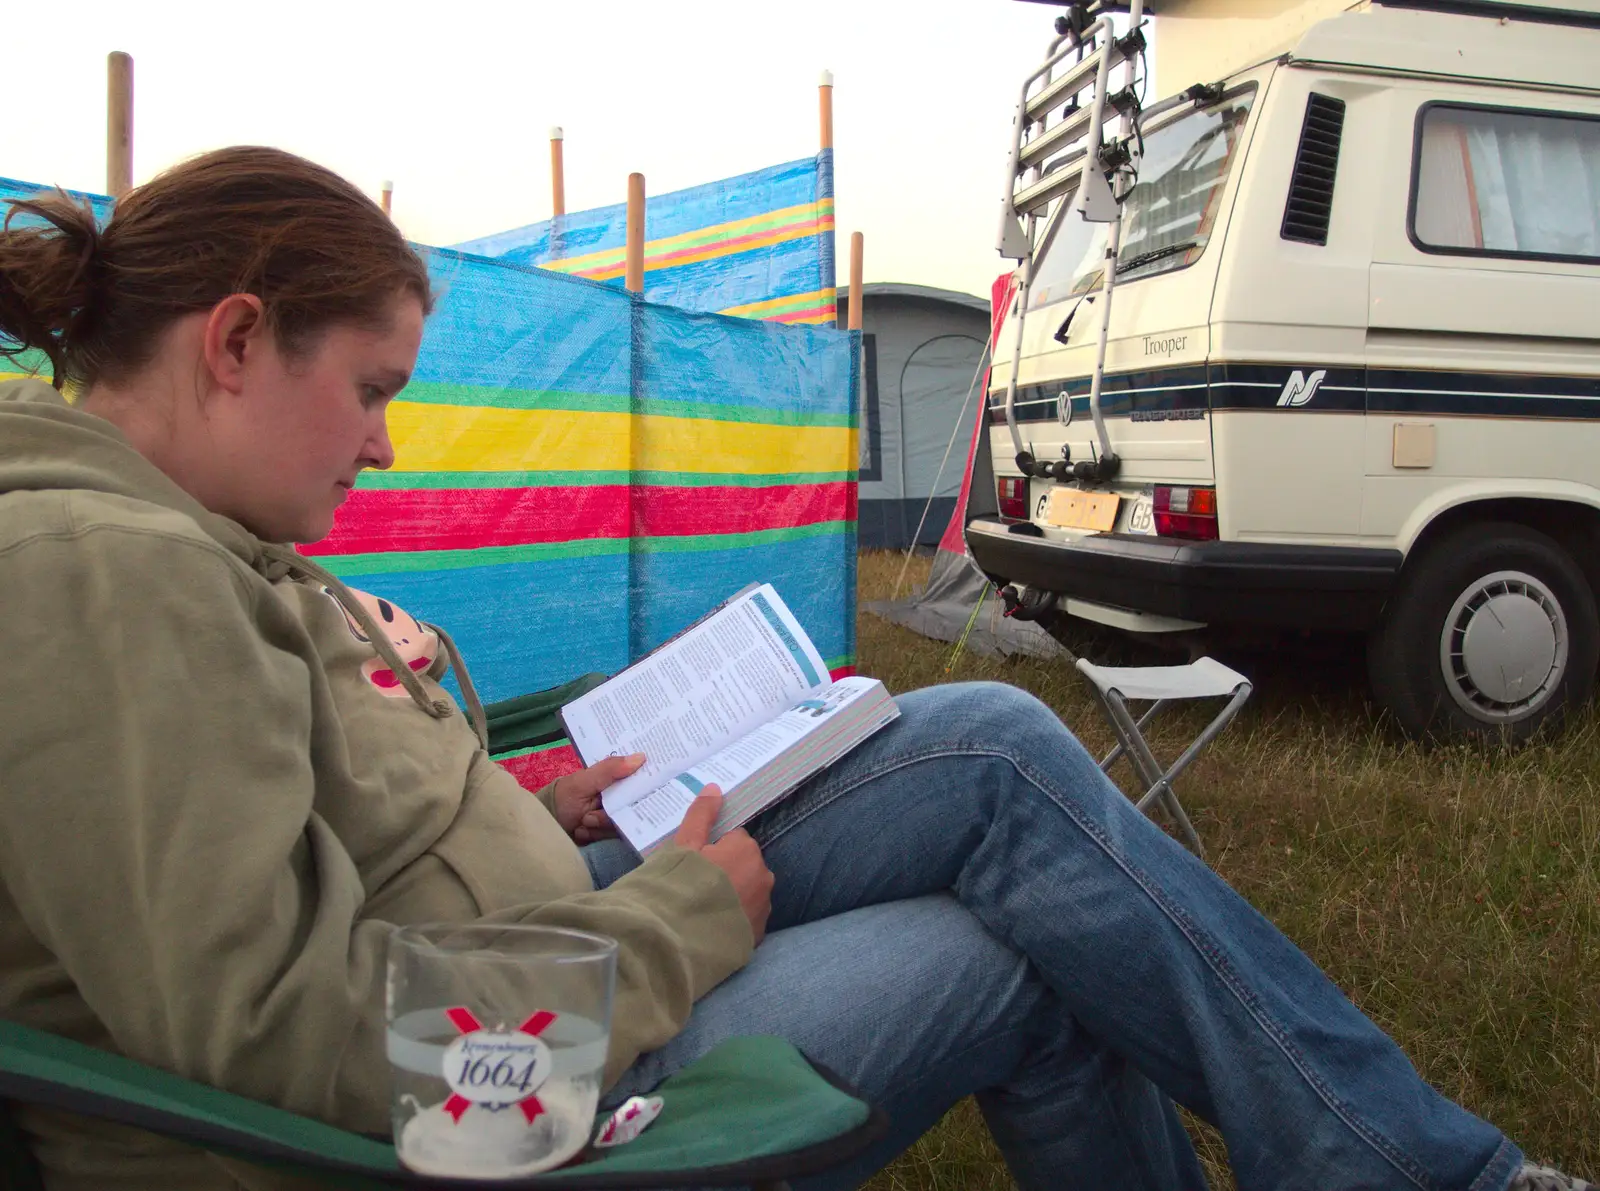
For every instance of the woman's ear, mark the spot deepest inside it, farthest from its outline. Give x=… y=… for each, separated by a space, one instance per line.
x=235 y=331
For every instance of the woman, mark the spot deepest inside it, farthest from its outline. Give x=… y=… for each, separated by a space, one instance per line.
x=211 y=814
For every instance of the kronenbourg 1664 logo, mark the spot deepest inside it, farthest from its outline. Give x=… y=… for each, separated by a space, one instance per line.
x=1299 y=389
x=495 y=1069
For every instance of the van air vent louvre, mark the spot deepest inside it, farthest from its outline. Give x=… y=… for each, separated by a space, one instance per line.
x=1310 y=205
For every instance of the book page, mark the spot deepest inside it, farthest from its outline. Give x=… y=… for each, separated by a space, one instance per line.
x=657 y=814
x=736 y=669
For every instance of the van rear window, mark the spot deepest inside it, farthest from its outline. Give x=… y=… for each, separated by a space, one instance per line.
x=1506 y=183
x=1167 y=217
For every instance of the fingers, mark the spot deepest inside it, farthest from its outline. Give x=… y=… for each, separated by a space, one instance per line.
x=614 y=769
x=605 y=772
x=695 y=830
x=594 y=826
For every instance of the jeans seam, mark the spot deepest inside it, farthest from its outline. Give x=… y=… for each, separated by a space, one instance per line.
x=1206 y=948
x=1197 y=938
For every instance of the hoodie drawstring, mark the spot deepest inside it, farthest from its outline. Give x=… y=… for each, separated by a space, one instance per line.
x=439 y=709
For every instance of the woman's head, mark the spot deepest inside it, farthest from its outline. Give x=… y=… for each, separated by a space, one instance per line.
x=244 y=317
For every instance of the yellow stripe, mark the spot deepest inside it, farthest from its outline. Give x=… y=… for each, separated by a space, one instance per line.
x=475 y=438
x=692 y=444
x=793 y=302
x=821 y=209
x=430 y=437
x=710 y=252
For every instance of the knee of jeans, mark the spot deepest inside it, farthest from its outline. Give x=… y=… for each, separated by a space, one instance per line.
x=1002 y=709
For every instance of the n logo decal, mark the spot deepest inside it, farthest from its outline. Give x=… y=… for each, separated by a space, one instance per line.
x=1299 y=389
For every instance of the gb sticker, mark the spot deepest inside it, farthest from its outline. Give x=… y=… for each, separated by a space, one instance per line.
x=495 y=1069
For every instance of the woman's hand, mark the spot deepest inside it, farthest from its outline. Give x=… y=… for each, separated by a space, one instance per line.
x=577 y=798
x=736 y=854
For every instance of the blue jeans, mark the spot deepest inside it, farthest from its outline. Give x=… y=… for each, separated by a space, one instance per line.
x=965 y=905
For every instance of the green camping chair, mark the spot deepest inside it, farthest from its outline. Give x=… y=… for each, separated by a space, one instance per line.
x=752 y=1111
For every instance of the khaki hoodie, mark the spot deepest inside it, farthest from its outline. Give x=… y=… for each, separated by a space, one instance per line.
x=218 y=792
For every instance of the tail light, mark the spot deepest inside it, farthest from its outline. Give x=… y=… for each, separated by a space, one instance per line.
x=1013 y=497
x=1186 y=513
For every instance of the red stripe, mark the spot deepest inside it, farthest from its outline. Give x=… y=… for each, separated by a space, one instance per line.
x=463 y=1019
x=789 y=316
x=729 y=247
x=672 y=512
x=841 y=672
x=535 y=771
x=380 y=520
x=400 y=519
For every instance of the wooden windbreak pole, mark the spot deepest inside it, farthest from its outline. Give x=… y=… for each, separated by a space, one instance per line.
x=558 y=175
x=386 y=198
x=119 y=123
x=825 y=108
x=635 y=257
x=858 y=300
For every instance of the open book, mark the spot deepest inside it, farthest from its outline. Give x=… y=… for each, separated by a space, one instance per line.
x=741 y=699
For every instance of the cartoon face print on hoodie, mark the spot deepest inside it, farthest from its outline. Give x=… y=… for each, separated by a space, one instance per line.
x=415 y=642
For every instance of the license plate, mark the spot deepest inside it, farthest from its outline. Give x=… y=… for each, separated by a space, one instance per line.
x=1140 y=517
x=1072 y=508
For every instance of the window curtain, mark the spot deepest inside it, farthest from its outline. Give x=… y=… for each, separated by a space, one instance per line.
x=1509 y=183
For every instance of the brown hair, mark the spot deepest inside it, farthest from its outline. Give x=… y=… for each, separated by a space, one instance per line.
x=312 y=247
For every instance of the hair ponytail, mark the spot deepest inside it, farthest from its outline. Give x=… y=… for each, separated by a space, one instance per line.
x=312 y=247
x=47 y=277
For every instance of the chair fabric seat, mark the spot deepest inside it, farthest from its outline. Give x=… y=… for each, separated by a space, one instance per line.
x=1203 y=679
x=751 y=1110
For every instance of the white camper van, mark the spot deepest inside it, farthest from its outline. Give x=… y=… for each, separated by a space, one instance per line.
x=1349 y=377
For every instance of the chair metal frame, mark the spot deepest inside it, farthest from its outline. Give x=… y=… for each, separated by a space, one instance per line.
x=1159 y=779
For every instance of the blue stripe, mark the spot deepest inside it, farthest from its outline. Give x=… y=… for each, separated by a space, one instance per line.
x=746 y=362
x=523 y=627
x=815 y=576
x=1145 y=395
x=672 y=214
x=777 y=271
x=11 y=188
x=495 y=326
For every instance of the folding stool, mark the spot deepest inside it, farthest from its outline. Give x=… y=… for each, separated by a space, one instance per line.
x=1162 y=686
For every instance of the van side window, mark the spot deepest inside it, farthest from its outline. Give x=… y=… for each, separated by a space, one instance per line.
x=1497 y=182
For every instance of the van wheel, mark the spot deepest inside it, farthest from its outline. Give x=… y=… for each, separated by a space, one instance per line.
x=1491 y=633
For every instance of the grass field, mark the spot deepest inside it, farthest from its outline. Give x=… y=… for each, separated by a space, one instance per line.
x=1453 y=894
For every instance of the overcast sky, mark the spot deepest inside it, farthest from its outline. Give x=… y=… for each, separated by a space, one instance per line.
x=454 y=102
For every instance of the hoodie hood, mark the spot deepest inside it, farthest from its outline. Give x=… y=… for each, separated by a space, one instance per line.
x=46 y=443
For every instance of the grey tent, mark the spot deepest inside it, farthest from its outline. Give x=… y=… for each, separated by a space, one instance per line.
x=958 y=601
x=921 y=351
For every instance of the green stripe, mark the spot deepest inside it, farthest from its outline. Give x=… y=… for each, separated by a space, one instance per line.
x=538 y=748
x=740 y=541
x=741 y=413
x=585 y=479
x=431 y=393
x=352 y=565
x=441 y=393
x=404 y=562
x=847 y=659
x=711 y=479
x=31 y=360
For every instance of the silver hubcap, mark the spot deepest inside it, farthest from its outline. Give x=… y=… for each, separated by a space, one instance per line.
x=1504 y=647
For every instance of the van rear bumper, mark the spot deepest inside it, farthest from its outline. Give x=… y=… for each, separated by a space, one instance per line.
x=1224 y=583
